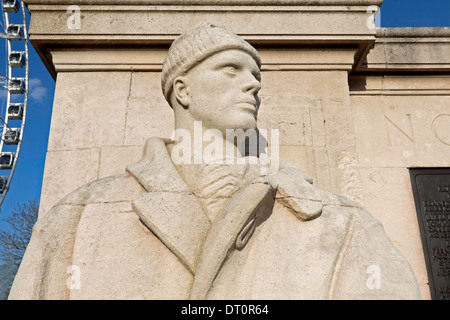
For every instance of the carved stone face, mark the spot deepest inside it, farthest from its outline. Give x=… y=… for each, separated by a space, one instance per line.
x=222 y=91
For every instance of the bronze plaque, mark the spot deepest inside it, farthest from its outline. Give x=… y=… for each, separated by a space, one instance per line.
x=431 y=188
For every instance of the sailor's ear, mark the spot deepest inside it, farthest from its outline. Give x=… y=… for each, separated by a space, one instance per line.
x=181 y=91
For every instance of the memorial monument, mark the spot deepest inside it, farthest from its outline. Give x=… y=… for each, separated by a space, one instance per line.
x=172 y=227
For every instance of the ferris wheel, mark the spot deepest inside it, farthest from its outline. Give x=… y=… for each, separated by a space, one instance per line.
x=14 y=88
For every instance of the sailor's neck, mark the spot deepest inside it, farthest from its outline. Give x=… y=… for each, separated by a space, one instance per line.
x=215 y=181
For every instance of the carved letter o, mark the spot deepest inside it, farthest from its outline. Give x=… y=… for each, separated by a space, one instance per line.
x=441 y=128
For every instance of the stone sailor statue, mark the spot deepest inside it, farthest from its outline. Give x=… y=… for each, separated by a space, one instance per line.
x=168 y=229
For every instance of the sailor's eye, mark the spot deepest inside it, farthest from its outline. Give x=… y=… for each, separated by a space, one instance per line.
x=231 y=70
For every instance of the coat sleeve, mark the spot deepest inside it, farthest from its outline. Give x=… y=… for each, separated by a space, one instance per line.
x=370 y=266
x=43 y=272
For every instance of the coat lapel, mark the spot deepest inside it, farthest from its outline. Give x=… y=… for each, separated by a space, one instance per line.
x=169 y=208
x=231 y=230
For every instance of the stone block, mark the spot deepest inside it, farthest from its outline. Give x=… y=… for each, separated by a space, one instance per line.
x=114 y=160
x=89 y=110
x=66 y=171
x=296 y=155
x=148 y=113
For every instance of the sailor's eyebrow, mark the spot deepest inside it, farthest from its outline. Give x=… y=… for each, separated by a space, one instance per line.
x=230 y=62
x=239 y=64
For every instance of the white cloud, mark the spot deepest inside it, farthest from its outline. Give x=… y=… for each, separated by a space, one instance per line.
x=36 y=91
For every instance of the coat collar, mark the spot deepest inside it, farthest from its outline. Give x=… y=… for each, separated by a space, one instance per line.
x=156 y=171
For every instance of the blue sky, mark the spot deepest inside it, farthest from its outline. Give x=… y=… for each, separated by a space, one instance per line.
x=415 y=13
x=27 y=180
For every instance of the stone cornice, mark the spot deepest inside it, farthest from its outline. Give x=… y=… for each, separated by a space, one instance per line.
x=151 y=59
x=153 y=25
x=115 y=24
x=399 y=85
x=417 y=32
x=409 y=50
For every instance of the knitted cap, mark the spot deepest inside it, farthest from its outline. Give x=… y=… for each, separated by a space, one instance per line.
x=194 y=46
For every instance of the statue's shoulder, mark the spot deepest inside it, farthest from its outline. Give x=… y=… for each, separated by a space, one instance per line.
x=62 y=219
x=294 y=173
x=296 y=191
x=121 y=187
x=125 y=186
x=116 y=188
x=138 y=178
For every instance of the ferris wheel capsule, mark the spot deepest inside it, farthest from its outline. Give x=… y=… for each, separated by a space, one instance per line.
x=3 y=184
x=11 y=136
x=17 y=59
x=11 y=6
x=17 y=85
x=6 y=160
x=15 y=111
x=14 y=32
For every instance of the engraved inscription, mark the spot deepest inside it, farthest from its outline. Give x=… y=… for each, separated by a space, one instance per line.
x=401 y=131
x=442 y=257
x=437 y=218
x=432 y=196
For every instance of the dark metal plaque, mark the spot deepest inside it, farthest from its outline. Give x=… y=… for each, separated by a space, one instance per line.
x=431 y=188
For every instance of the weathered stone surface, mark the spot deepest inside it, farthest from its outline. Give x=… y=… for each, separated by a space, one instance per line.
x=66 y=171
x=321 y=127
x=148 y=114
x=114 y=160
x=114 y=250
x=404 y=49
x=89 y=111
